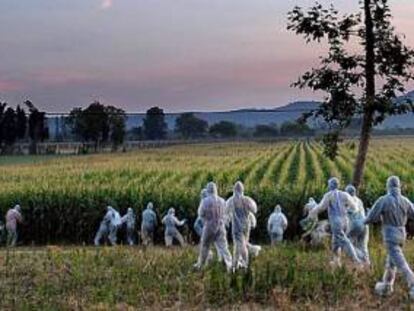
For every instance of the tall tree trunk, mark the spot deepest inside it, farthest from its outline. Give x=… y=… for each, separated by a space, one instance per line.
x=367 y=124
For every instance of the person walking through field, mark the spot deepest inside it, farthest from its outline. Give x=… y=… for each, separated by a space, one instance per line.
x=171 y=232
x=238 y=208
x=336 y=203
x=358 y=231
x=199 y=225
x=276 y=225
x=212 y=212
x=393 y=210
x=252 y=248
x=148 y=225
x=109 y=226
x=129 y=220
x=13 y=217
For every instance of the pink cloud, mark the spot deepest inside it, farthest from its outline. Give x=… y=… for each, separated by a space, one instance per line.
x=106 y=4
x=62 y=77
x=9 y=86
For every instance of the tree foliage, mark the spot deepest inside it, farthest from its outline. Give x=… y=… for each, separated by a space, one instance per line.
x=189 y=126
x=117 y=127
x=266 y=130
x=349 y=77
x=9 y=127
x=2 y=111
x=38 y=129
x=223 y=129
x=98 y=124
x=295 y=129
x=21 y=120
x=155 y=127
x=13 y=126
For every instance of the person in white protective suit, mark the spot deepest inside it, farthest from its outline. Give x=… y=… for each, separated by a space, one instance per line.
x=109 y=226
x=393 y=210
x=316 y=230
x=198 y=224
x=336 y=203
x=129 y=220
x=171 y=232
x=198 y=228
x=212 y=211
x=276 y=225
x=252 y=248
x=239 y=208
x=358 y=231
x=148 y=225
x=13 y=218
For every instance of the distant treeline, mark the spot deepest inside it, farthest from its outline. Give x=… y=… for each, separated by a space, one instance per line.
x=105 y=126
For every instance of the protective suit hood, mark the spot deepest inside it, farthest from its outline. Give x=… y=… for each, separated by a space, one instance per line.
x=333 y=184
x=171 y=211
x=212 y=189
x=18 y=208
x=150 y=205
x=394 y=185
x=238 y=188
x=204 y=194
x=351 y=190
x=278 y=209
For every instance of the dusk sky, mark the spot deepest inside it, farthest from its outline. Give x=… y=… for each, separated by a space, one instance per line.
x=199 y=55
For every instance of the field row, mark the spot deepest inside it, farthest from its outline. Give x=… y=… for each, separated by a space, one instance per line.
x=64 y=198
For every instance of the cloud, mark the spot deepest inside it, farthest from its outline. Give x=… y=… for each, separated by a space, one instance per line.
x=106 y=4
x=9 y=86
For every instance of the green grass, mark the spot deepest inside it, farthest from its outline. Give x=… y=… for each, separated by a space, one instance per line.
x=287 y=277
x=64 y=198
x=27 y=159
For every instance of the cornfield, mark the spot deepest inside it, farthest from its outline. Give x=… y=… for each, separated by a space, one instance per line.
x=64 y=198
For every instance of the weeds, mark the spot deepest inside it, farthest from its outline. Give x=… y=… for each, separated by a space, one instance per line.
x=71 y=278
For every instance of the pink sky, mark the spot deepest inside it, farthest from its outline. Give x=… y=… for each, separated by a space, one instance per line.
x=180 y=55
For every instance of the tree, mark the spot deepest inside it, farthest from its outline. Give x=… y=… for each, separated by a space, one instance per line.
x=99 y=124
x=116 y=119
x=136 y=133
x=90 y=124
x=77 y=124
x=295 y=129
x=38 y=130
x=344 y=74
x=189 y=126
x=9 y=127
x=224 y=129
x=95 y=120
x=265 y=130
x=155 y=127
x=21 y=120
x=2 y=111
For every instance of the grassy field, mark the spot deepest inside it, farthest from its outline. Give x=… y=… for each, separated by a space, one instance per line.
x=63 y=199
x=289 y=277
x=26 y=159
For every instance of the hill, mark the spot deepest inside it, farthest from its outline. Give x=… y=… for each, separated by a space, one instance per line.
x=252 y=117
x=244 y=117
